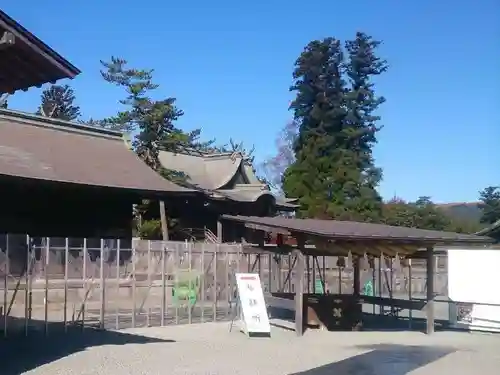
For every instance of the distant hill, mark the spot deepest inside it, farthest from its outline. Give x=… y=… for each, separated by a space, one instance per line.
x=463 y=210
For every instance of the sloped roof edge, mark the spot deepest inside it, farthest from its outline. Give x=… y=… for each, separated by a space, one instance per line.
x=9 y=24
x=41 y=148
x=489 y=230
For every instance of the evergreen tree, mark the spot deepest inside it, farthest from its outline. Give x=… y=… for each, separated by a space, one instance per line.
x=333 y=174
x=361 y=122
x=58 y=102
x=424 y=214
x=153 y=120
x=490 y=204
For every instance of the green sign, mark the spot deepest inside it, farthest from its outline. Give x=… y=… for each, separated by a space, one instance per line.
x=368 y=288
x=318 y=287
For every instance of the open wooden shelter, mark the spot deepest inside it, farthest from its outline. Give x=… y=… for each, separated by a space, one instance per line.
x=340 y=238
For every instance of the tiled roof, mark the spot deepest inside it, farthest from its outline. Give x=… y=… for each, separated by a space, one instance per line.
x=42 y=148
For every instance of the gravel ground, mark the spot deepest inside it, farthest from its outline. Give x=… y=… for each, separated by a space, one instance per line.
x=209 y=348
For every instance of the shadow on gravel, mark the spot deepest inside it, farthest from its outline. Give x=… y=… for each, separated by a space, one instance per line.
x=383 y=360
x=20 y=353
x=375 y=322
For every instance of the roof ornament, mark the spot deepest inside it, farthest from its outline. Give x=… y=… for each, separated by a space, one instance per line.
x=7 y=40
x=234 y=156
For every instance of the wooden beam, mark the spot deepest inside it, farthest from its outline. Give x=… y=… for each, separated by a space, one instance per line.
x=267 y=229
x=430 y=290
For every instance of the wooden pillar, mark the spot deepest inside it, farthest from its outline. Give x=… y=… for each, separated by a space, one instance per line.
x=219 y=231
x=163 y=220
x=430 y=290
x=356 y=264
x=299 y=289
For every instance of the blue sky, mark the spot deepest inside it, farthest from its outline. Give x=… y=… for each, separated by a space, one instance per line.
x=229 y=64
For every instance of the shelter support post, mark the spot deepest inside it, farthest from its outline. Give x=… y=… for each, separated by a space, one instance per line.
x=430 y=290
x=299 y=290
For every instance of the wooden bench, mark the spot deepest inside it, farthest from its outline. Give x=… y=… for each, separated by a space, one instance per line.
x=285 y=303
x=396 y=305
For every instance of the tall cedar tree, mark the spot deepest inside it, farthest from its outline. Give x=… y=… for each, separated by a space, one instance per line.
x=490 y=204
x=333 y=174
x=59 y=102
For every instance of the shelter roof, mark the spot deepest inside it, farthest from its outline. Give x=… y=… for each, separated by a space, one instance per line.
x=356 y=231
x=26 y=61
x=42 y=148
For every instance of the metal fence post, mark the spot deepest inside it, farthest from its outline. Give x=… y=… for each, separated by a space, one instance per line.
x=27 y=301
x=410 y=318
x=163 y=283
x=66 y=256
x=103 y=296
x=190 y=282
x=226 y=280
x=214 y=307
x=202 y=282
x=85 y=281
x=46 y=277
x=148 y=322
x=117 y=321
x=6 y=286
x=133 y=283
x=176 y=281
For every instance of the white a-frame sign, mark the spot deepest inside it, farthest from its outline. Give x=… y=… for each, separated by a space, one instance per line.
x=253 y=318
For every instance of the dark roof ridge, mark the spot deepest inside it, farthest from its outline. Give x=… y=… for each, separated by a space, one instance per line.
x=58 y=124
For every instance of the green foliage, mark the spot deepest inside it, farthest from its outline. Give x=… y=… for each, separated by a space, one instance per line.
x=58 y=102
x=334 y=173
x=150 y=230
x=490 y=204
x=424 y=214
x=153 y=120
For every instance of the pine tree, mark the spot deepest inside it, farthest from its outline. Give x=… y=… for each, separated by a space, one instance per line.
x=58 y=102
x=153 y=120
x=333 y=174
